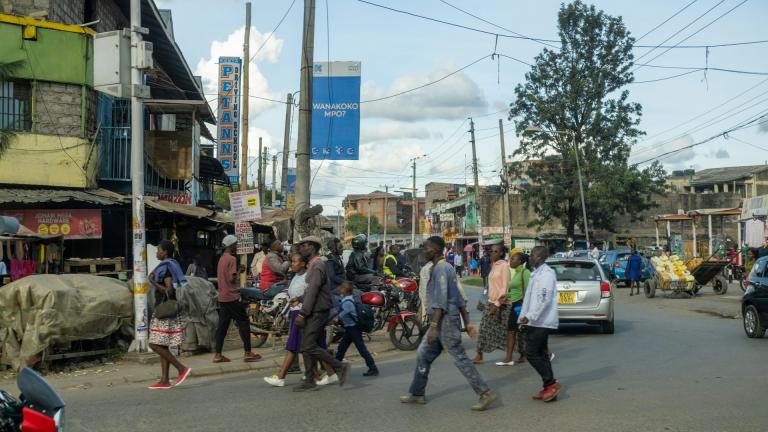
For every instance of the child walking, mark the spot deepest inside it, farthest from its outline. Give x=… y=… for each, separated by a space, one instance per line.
x=352 y=334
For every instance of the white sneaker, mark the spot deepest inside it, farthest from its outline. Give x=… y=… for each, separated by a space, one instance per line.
x=333 y=379
x=275 y=381
x=551 y=356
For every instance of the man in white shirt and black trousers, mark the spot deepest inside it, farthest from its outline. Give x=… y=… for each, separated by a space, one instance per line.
x=538 y=318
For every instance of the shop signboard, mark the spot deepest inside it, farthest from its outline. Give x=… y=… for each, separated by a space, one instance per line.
x=228 y=119
x=244 y=234
x=245 y=205
x=72 y=224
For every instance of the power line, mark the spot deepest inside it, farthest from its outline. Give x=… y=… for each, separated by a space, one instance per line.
x=697 y=31
x=665 y=21
x=745 y=142
x=665 y=78
x=263 y=44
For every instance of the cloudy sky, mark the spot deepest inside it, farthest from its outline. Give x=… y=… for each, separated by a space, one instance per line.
x=400 y=52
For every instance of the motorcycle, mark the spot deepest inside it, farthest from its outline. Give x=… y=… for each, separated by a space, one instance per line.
x=38 y=409
x=734 y=271
x=404 y=326
x=265 y=311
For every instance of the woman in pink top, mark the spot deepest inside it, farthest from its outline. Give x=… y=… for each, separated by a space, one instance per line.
x=493 y=327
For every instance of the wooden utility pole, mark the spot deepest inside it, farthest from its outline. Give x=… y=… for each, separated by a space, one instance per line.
x=506 y=210
x=263 y=186
x=286 y=146
x=259 y=173
x=305 y=108
x=274 y=178
x=244 y=123
x=477 y=185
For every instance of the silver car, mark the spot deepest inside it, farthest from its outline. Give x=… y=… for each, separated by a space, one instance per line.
x=585 y=294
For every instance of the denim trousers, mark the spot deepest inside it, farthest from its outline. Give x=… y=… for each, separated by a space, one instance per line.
x=449 y=339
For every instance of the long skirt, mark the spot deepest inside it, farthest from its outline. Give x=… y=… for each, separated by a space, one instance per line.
x=493 y=329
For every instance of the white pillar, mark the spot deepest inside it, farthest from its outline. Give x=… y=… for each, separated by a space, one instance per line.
x=709 y=233
x=738 y=245
x=669 y=229
x=693 y=228
x=657 y=235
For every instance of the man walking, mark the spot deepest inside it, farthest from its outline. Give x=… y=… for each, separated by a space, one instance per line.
x=446 y=309
x=538 y=318
x=230 y=306
x=314 y=314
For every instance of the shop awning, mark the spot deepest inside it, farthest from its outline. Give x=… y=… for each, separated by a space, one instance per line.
x=34 y=196
x=182 y=209
x=211 y=171
x=716 y=212
x=672 y=217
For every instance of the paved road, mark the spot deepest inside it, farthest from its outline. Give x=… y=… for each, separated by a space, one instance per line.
x=663 y=370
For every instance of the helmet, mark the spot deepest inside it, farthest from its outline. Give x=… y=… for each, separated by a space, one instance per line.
x=360 y=242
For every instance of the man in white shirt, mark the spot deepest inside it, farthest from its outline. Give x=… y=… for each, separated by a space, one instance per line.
x=538 y=318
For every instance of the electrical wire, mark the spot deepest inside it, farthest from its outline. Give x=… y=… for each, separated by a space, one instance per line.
x=665 y=21
x=272 y=33
x=664 y=78
x=728 y=137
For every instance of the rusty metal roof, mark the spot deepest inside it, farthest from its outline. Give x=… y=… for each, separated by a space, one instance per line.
x=34 y=196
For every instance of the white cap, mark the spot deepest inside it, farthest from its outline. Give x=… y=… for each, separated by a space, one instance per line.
x=229 y=240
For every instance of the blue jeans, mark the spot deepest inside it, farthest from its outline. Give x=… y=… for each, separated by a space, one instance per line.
x=449 y=339
x=353 y=335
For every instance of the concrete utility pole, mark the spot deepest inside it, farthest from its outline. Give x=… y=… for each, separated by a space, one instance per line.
x=505 y=179
x=286 y=146
x=338 y=224
x=140 y=285
x=386 y=202
x=581 y=189
x=263 y=187
x=244 y=122
x=415 y=204
x=305 y=108
x=259 y=174
x=477 y=185
x=274 y=179
x=369 y=220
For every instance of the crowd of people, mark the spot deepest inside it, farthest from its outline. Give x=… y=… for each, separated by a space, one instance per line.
x=520 y=312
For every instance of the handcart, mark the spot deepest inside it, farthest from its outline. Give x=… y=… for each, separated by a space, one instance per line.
x=664 y=282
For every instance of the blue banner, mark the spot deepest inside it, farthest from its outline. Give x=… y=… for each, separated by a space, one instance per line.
x=291 y=186
x=336 y=111
x=228 y=116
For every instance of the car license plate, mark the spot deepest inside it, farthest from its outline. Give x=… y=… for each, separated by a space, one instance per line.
x=567 y=297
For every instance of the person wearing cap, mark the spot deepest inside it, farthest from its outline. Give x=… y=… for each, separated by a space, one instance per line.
x=230 y=306
x=314 y=314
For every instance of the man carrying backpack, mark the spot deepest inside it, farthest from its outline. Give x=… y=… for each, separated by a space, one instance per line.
x=353 y=331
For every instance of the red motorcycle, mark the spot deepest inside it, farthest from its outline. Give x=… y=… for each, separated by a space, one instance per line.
x=404 y=326
x=38 y=409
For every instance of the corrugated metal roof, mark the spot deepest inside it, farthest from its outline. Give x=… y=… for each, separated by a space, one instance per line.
x=182 y=209
x=725 y=174
x=33 y=196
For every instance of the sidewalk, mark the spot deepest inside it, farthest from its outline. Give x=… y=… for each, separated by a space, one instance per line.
x=112 y=373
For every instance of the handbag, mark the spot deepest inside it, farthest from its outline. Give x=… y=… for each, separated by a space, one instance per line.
x=170 y=308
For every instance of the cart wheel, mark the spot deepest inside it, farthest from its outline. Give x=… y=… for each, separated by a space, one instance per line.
x=720 y=285
x=649 y=286
x=696 y=289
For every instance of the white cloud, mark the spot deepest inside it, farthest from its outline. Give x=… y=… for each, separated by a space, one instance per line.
x=658 y=149
x=391 y=131
x=233 y=46
x=451 y=99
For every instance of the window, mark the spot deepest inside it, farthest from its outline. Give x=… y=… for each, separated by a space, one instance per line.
x=15 y=105
x=575 y=271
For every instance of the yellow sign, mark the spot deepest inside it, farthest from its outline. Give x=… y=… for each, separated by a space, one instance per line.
x=42 y=229
x=143 y=289
x=65 y=229
x=252 y=202
x=290 y=202
x=53 y=229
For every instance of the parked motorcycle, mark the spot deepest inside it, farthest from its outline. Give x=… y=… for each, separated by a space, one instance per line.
x=404 y=327
x=265 y=311
x=38 y=409
x=736 y=272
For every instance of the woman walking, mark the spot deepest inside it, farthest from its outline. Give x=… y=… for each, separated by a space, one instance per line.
x=519 y=275
x=166 y=332
x=493 y=326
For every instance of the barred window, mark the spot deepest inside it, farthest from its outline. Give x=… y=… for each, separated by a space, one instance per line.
x=15 y=105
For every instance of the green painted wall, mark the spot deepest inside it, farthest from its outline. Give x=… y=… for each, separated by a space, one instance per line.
x=56 y=55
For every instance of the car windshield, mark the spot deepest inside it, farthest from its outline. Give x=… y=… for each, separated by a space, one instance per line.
x=576 y=271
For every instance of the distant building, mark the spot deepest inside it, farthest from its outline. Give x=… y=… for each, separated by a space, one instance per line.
x=394 y=210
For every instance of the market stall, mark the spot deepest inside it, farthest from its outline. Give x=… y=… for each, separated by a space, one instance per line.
x=27 y=252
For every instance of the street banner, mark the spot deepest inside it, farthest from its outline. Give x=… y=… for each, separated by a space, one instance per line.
x=228 y=118
x=336 y=111
x=72 y=224
x=290 y=191
x=244 y=234
x=245 y=205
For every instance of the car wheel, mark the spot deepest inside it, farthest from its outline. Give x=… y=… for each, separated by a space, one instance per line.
x=606 y=327
x=753 y=325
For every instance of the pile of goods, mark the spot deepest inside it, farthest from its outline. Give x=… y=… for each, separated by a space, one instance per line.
x=692 y=264
x=672 y=268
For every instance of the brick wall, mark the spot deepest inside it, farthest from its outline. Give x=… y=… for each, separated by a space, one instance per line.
x=109 y=15
x=66 y=11
x=57 y=109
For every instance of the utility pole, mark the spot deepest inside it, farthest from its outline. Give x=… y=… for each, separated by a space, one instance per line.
x=274 y=178
x=338 y=224
x=505 y=179
x=259 y=174
x=263 y=186
x=286 y=146
x=305 y=108
x=415 y=204
x=140 y=286
x=477 y=185
x=581 y=189
x=369 y=220
x=386 y=208
x=244 y=122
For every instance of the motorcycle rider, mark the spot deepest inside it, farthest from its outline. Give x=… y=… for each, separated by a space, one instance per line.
x=358 y=268
x=334 y=267
x=391 y=262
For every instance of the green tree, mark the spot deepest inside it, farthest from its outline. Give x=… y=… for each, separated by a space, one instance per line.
x=358 y=224
x=580 y=89
x=7 y=71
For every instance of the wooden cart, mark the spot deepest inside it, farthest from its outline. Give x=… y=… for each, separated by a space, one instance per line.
x=657 y=282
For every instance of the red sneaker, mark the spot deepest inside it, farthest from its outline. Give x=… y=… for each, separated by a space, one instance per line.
x=182 y=376
x=159 y=386
x=550 y=393
x=539 y=395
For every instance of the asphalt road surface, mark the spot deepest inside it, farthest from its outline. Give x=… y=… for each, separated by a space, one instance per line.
x=663 y=370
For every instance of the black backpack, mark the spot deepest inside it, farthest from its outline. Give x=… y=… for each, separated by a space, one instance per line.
x=365 y=316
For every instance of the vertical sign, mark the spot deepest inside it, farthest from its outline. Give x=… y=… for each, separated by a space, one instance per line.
x=244 y=234
x=290 y=190
x=229 y=115
x=336 y=111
